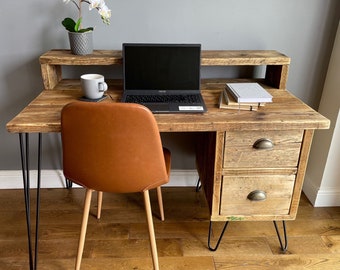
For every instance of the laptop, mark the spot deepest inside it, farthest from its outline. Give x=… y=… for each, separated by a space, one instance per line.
x=163 y=77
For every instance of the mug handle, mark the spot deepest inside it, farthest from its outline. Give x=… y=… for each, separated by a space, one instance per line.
x=102 y=86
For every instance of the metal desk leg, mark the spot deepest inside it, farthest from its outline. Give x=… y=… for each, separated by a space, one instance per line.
x=68 y=183
x=219 y=239
x=284 y=246
x=198 y=185
x=25 y=165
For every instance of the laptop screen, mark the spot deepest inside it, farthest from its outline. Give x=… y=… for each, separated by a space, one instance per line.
x=161 y=66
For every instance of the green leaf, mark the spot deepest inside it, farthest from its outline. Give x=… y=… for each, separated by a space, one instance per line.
x=73 y=26
x=69 y=24
x=77 y=26
x=86 y=30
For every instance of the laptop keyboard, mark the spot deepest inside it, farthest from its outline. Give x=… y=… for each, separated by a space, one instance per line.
x=163 y=99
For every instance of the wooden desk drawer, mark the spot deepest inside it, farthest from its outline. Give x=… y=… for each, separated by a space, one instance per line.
x=283 y=151
x=236 y=193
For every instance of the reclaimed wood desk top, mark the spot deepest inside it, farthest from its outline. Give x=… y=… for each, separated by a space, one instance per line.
x=42 y=115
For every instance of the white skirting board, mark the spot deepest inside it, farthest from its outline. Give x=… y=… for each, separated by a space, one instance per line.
x=55 y=179
x=321 y=197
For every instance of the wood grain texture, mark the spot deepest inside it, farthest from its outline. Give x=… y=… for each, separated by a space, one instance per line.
x=209 y=58
x=240 y=152
x=65 y=57
x=276 y=71
x=286 y=111
x=235 y=191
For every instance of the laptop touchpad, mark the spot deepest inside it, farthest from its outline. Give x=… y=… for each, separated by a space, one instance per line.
x=159 y=107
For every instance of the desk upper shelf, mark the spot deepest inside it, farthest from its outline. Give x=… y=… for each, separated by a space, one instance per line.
x=276 y=63
x=208 y=58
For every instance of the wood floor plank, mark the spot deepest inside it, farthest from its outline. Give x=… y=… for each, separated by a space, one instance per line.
x=166 y=263
x=312 y=244
x=278 y=262
x=119 y=240
x=332 y=242
x=233 y=245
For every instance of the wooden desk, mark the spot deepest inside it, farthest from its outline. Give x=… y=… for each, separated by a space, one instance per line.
x=230 y=168
x=288 y=122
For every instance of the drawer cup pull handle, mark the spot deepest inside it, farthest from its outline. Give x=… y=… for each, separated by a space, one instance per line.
x=263 y=143
x=257 y=195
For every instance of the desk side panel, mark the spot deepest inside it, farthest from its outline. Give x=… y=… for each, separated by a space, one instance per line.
x=51 y=75
x=205 y=161
x=304 y=154
x=209 y=155
x=277 y=76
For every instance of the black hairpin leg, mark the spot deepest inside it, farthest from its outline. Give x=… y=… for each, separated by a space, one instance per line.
x=283 y=247
x=25 y=164
x=198 y=185
x=68 y=183
x=219 y=239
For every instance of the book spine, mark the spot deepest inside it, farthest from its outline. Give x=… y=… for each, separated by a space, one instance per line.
x=235 y=95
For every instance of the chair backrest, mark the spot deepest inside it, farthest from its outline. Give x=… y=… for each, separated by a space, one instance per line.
x=112 y=147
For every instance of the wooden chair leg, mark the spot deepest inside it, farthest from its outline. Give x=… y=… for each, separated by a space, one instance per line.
x=160 y=202
x=99 y=203
x=151 y=230
x=86 y=212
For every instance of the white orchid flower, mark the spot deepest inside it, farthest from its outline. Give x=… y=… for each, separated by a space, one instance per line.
x=96 y=4
x=105 y=12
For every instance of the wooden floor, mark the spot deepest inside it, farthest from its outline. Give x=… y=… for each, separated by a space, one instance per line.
x=120 y=240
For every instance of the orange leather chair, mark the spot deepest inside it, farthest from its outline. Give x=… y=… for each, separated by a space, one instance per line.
x=113 y=147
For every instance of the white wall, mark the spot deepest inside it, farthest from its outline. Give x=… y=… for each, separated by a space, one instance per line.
x=303 y=29
x=322 y=183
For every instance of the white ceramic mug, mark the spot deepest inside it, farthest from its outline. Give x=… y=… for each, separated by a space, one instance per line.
x=93 y=85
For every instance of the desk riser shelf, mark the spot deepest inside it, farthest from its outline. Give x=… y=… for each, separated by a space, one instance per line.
x=208 y=58
x=276 y=63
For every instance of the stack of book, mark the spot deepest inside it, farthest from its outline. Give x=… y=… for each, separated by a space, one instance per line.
x=244 y=96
